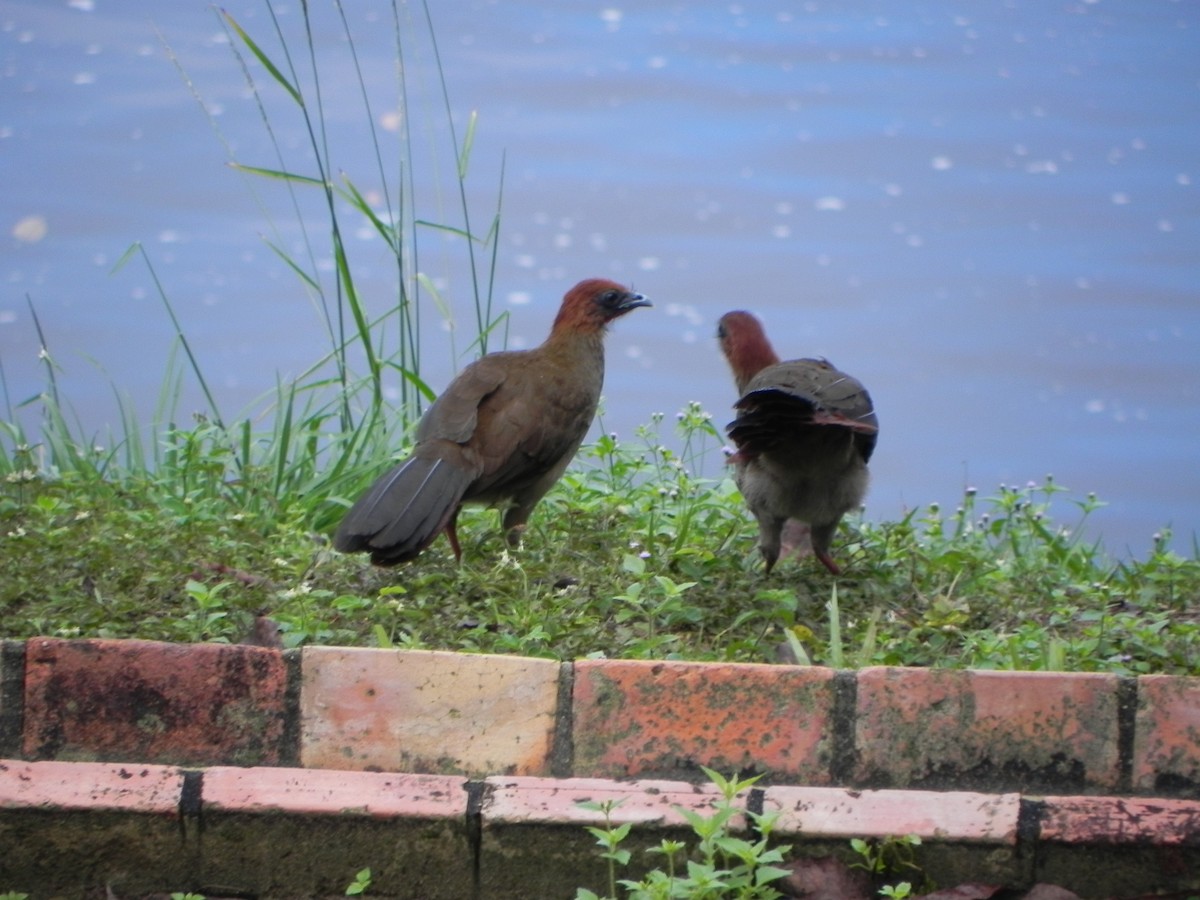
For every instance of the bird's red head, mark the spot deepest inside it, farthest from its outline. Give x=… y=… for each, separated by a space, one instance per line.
x=593 y=303
x=745 y=346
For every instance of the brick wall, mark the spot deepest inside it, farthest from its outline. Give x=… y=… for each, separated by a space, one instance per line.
x=457 y=775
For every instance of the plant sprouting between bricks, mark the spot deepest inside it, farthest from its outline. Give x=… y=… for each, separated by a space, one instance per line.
x=894 y=856
x=720 y=864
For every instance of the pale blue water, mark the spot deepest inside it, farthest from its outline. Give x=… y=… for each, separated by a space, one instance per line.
x=987 y=212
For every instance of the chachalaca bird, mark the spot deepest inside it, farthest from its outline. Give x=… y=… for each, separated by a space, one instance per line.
x=804 y=433
x=500 y=434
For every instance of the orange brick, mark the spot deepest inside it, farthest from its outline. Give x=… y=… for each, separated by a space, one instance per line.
x=1166 y=746
x=145 y=701
x=426 y=711
x=658 y=718
x=955 y=729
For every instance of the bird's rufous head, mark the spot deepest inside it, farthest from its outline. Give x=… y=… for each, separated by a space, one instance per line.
x=595 y=302
x=745 y=346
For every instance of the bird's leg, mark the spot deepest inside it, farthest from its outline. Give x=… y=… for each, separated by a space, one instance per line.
x=822 y=536
x=452 y=536
x=769 y=531
x=827 y=561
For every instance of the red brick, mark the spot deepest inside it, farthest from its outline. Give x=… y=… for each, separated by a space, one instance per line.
x=816 y=812
x=90 y=787
x=325 y=792
x=188 y=704
x=946 y=728
x=1121 y=820
x=655 y=718
x=1166 y=747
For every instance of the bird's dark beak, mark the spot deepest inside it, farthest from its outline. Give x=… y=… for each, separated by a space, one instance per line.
x=633 y=301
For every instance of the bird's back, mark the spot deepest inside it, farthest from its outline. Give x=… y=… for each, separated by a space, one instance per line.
x=804 y=405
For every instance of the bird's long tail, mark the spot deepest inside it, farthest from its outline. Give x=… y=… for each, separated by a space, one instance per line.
x=404 y=511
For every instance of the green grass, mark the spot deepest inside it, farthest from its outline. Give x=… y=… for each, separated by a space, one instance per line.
x=630 y=556
x=185 y=531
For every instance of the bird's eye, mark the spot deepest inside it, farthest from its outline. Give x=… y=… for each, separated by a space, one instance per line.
x=721 y=332
x=610 y=298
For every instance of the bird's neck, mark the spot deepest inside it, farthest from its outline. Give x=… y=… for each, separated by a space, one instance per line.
x=581 y=336
x=752 y=358
x=582 y=351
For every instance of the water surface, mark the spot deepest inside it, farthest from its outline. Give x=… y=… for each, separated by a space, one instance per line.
x=986 y=212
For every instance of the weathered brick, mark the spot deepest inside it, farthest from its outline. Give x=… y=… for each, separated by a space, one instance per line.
x=1120 y=820
x=557 y=800
x=325 y=792
x=90 y=787
x=817 y=812
x=667 y=719
x=1002 y=731
x=147 y=701
x=1166 y=746
x=305 y=833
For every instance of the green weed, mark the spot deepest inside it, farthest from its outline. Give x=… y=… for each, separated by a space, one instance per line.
x=721 y=864
x=360 y=884
x=890 y=856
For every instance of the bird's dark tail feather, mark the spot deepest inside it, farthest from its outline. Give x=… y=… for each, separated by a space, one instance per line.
x=403 y=511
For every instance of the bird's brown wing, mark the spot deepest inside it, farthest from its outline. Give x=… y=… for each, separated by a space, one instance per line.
x=508 y=425
x=454 y=415
x=783 y=400
x=527 y=431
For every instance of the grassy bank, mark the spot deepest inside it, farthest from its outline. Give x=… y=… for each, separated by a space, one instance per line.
x=631 y=555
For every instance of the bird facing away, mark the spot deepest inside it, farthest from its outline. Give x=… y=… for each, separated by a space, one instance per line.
x=501 y=434
x=804 y=433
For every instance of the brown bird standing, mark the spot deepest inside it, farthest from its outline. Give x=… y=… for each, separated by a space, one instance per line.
x=804 y=433
x=501 y=434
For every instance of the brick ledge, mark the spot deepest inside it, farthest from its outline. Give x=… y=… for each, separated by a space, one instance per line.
x=273 y=831
x=814 y=812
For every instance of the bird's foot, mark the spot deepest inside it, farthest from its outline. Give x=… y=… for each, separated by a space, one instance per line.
x=515 y=535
